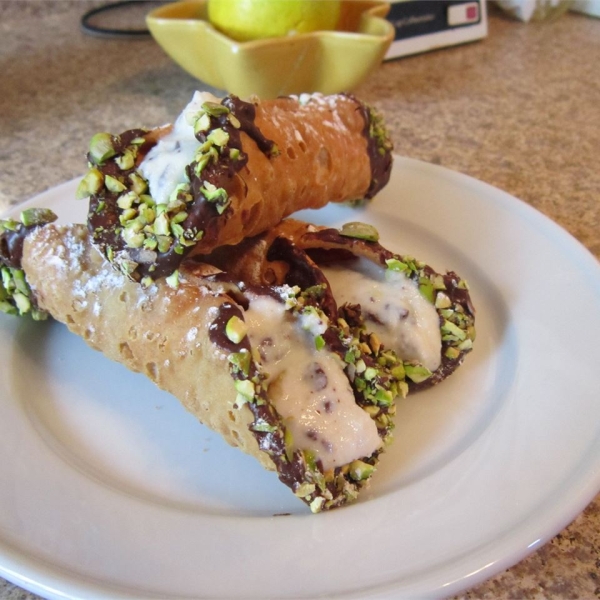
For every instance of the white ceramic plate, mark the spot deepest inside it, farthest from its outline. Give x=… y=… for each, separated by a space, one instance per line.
x=110 y=490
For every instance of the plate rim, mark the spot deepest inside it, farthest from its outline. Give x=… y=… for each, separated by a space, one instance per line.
x=16 y=560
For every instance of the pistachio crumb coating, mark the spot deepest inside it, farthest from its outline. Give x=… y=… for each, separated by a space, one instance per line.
x=374 y=390
x=251 y=164
x=16 y=297
x=273 y=258
x=448 y=293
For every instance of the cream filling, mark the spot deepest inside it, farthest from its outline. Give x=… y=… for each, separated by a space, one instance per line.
x=309 y=387
x=394 y=308
x=164 y=166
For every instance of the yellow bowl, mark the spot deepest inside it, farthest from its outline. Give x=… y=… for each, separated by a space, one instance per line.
x=322 y=61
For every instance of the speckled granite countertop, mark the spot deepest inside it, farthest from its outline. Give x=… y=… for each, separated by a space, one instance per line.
x=520 y=111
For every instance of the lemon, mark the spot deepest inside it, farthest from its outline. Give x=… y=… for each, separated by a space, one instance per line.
x=245 y=20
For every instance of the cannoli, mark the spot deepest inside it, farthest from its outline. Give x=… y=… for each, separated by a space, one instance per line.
x=425 y=318
x=226 y=170
x=264 y=366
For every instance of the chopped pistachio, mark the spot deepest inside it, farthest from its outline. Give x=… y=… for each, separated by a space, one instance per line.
x=350 y=356
x=438 y=282
x=362 y=231
x=310 y=459
x=372 y=410
x=126 y=200
x=127 y=215
x=20 y=282
x=264 y=427
x=402 y=389
x=398 y=372
x=442 y=300
x=447 y=313
x=38 y=315
x=138 y=184
x=319 y=342
x=288 y=439
x=148 y=200
x=370 y=373
x=91 y=184
x=161 y=224
x=113 y=184
x=374 y=342
x=9 y=225
x=218 y=137
x=179 y=217
x=245 y=387
x=417 y=373
x=241 y=361
x=132 y=238
x=176 y=229
x=7 y=279
x=213 y=193
x=452 y=353
x=201 y=163
x=317 y=504
x=8 y=308
x=181 y=190
x=236 y=329
x=360 y=384
x=216 y=195
x=305 y=489
x=214 y=109
x=150 y=243
x=378 y=131
x=394 y=264
x=173 y=280
x=426 y=288
x=384 y=397
x=453 y=330
x=360 y=470
x=101 y=148
x=164 y=243
x=22 y=302
x=466 y=345
x=202 y=123
x=126 y=161
x=37 y=216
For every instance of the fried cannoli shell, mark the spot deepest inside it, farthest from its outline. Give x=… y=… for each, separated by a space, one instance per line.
x=178 y=338
x=270 y=259
x=289 y=154
x=157 y=331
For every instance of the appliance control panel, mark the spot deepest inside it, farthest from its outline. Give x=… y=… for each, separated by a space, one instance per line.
x=424 y=25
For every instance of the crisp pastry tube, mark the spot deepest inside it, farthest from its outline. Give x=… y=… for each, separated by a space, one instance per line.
x=424 y=318
x=227 y=169
x=264 y=366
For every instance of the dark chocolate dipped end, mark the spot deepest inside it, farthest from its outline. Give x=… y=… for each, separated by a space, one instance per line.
x=372 y=384
x=16 y=296
x=146 y=240
x=379 y=147
x=448 y=292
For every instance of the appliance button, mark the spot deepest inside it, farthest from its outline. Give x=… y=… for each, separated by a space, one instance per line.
x=463 y=14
